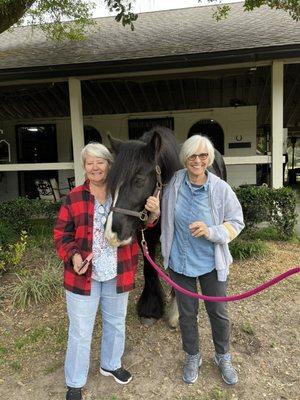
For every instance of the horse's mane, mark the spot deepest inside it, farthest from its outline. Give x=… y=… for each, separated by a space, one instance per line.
x=218 y=167
x=168 y=154
x=126 y=163
x=133 y=155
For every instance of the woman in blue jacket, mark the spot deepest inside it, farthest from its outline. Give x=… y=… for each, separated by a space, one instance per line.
x=200 y=216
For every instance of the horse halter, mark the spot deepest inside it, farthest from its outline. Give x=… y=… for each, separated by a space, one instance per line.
x=142 y=215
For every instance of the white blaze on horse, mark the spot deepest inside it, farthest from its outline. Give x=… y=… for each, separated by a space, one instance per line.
x=110 y=235
x=132 y=178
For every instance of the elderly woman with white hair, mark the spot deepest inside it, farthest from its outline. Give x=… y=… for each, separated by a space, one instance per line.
x=104 y=282
x=200 y=216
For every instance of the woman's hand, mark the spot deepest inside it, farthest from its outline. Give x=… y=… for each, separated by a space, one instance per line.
x=198 y=229
x=77 y=264
x=152 y=205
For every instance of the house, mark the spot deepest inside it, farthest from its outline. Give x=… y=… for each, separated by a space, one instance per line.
x=236 y=80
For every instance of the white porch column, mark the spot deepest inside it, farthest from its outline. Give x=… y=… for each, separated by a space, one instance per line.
x=77 y=127
x=277 y=124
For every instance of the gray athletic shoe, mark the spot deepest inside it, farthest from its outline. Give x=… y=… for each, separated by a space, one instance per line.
x=228 y=372
x=191 y=367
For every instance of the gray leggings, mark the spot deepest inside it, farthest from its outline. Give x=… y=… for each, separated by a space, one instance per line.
x=188 y=311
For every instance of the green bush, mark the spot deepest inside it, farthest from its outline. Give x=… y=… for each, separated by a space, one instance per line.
x=41 y=228
x=254 y=201
x=263 y=233
x=276 y=206
x=46 y=209
x=17 y=213
x=7 y=234
x=283 y=210
x=242 y=249
x=20 y=212
x=12 y=254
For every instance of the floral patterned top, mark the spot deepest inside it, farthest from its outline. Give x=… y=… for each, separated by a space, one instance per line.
x=104 y=255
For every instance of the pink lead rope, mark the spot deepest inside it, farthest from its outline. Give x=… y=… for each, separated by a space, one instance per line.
x=236 y=297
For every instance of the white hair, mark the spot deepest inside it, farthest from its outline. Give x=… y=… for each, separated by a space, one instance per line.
x=191 y=146
x=97 y=150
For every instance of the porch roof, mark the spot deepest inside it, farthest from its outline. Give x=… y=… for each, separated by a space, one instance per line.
x=161 y=39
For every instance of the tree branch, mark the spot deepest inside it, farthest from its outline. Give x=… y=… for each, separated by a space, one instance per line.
x=11 y=11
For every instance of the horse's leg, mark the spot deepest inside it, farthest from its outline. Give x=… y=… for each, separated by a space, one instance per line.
x=172 y=317
x=150 y=306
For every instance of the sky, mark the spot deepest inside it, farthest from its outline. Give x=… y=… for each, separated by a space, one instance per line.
x=154 y=5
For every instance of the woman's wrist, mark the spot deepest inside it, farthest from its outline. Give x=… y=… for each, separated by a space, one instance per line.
x=153 y=216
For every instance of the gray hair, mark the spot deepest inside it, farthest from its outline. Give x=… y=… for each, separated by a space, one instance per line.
x=97 y=150
x=191 y=145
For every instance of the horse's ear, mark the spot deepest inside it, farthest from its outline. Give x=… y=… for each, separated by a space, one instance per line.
x=154 y=146
x=115 y=143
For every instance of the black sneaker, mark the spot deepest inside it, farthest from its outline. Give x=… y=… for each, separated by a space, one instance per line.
x=73 y=394
x=120 y=375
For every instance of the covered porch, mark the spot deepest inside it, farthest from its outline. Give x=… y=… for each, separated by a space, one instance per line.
x=233 y=106
x=211 y=79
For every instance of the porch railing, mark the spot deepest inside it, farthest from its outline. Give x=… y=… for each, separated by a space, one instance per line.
x=36 y=167
x=243 y=160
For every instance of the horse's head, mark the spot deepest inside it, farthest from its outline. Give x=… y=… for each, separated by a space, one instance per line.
x=131 y=180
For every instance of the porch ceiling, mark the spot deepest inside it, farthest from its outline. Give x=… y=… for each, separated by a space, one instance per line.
x=152 y=94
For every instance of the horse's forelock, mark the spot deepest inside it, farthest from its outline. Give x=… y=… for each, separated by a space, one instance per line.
x=127 y=164
x=135 y=154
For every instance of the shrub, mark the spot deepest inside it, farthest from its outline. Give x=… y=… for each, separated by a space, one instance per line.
x=36 y=286
x=46 y=209
x=19 y=212
x=11 y=255
x=242 y=249
x=283 y=210
x=264 y=233
x=276 y=206
x=254 y=201
x=41 y=228
x=7 y=234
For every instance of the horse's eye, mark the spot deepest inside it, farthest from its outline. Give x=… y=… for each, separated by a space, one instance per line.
x=139 y=180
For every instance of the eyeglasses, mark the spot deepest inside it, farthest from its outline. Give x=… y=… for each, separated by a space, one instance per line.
x=202 y=156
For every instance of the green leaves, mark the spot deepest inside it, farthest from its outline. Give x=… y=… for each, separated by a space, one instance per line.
x=222 y=12
x=71 y=19
x=275 y=206
x=36 y=286
x=62 y=20
x=19 y=213
x=123 y=8
x=242 y=249
x=292 y=7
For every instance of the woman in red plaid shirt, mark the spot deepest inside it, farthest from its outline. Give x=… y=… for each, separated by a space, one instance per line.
x=78 y=232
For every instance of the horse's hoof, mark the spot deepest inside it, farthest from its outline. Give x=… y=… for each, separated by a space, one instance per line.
x=172 y=325
x=147 y=321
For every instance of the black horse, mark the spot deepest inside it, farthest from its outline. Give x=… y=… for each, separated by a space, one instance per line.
x=132 y=179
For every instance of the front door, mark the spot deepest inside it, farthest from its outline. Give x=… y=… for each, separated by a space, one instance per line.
x=35 y=144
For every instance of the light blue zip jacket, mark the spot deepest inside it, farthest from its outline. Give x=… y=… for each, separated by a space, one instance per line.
x=227 y=218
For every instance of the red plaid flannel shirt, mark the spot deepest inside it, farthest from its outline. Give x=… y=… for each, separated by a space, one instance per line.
x=73 y=233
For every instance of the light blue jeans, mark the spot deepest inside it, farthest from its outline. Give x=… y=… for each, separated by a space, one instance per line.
x=82 y=312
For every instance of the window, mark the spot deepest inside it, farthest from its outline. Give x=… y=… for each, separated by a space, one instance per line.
x=137 y=127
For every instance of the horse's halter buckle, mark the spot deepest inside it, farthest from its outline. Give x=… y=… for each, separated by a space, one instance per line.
x=142 y=215
x=159 y=184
